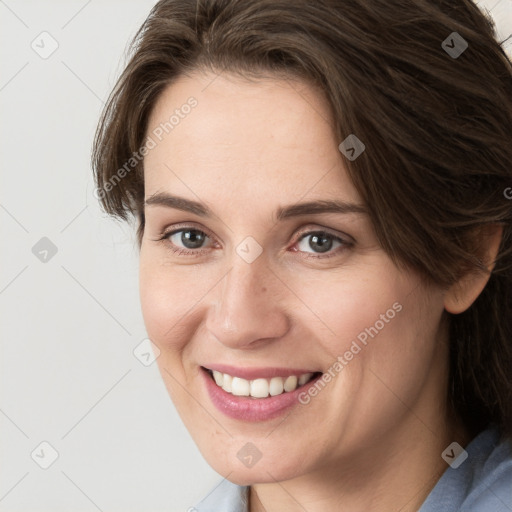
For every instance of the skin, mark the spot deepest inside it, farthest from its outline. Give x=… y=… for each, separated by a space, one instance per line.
x=372 y=438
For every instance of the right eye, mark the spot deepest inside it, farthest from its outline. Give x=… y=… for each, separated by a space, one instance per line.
x=185 y=241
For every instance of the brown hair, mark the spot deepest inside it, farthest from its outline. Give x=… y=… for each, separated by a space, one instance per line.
x=437 y=129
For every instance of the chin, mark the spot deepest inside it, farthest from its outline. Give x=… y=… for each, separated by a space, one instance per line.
x=243 y=464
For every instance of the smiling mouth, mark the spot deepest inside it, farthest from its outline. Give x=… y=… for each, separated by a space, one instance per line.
x=260 y=388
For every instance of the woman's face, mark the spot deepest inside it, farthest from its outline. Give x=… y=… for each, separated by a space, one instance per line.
x=260 y=277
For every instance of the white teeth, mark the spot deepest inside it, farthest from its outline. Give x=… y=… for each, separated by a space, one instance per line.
x=240 y=387
x=304 y=378
x=259 y=388
x=276 y=386
x=290 y=383
x=226 y=382
x=219 y=378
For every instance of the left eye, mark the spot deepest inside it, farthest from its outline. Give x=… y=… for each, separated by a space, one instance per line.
x=319 y=242
x=189 y=238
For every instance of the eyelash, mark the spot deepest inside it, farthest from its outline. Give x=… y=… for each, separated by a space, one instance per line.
x=164 y=238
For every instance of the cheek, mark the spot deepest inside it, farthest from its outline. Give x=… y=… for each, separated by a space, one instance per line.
x=380 y=323
x=392 y=347
x=383 y=348
x=169 y=297
x=355 y=305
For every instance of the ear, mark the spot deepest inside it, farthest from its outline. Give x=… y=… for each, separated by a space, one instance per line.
x=464 y=292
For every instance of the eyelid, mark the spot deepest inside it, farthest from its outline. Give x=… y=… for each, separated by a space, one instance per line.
x=176 y=228
x=310 y=229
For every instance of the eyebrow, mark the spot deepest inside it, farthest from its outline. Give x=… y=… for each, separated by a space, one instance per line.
x=284 y=212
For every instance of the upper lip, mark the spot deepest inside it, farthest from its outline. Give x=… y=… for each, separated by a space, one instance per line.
x=257 y=373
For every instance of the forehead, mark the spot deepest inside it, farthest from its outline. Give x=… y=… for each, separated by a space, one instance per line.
x=272 y=134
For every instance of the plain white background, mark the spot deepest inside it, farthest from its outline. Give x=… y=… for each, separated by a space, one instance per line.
x=71 y=316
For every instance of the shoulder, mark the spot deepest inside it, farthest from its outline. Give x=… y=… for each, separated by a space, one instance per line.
x=482 y=482
x=225 y=496
x=491 y=489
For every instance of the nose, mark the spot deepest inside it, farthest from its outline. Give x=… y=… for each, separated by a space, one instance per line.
x=248 y=306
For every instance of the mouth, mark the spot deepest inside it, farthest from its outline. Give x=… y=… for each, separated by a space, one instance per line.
x=256 y=395
x=260 y=387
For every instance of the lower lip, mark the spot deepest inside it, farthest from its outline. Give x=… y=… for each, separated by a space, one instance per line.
x=252 y=409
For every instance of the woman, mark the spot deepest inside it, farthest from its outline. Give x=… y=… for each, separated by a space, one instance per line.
x=325 y=245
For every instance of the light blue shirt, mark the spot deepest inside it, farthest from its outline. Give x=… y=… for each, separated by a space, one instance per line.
x=482 y=483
